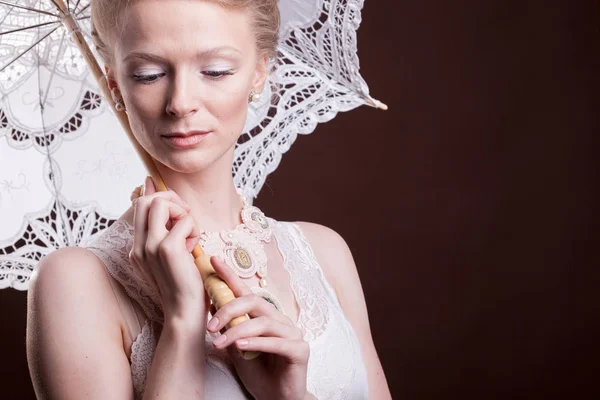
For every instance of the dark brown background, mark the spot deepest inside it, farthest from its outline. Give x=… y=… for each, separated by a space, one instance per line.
x=469 y=206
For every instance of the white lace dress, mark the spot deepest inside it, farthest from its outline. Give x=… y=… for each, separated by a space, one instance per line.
x=335 y=369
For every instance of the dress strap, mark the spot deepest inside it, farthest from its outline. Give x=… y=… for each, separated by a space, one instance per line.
x=306 y=279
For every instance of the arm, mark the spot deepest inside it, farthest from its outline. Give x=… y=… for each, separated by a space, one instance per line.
x=75 y=343
x=339 y=268
x=177 y=370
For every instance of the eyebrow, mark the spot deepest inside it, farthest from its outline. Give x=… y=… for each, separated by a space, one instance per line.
x=204 y=54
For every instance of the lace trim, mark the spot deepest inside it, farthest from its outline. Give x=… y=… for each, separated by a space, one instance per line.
x=305 y=280
x=142 y=353
x=117 y=239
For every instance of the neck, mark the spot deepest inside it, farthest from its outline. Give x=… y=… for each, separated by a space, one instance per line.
x=210 y=193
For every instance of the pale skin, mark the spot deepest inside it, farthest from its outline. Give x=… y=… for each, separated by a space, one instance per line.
x=77 y=345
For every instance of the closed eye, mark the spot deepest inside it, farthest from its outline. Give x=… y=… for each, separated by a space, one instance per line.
x=146 y=79
x=217 y=74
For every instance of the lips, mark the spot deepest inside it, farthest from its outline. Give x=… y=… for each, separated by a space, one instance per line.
x=182 y=140
x=185 y=134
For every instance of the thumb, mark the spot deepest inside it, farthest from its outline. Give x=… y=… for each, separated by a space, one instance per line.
x=191 y=242
x=137 y=192
x=149 y=186
x=235 y=283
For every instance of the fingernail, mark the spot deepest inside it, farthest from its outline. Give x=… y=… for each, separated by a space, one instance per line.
x=241 y=342
x=213 y=323
x=220 y=340
x=220 y=259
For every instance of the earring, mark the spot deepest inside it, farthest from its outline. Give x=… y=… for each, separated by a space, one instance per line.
x=255 y=97
x=119 y=103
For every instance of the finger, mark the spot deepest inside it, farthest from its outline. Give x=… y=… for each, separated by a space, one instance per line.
x=140 y=222
x=140 y=214
x=261 y=326
x=161 y=212
x=176 y=240
x=251 y=304
x=137 y=193
x=140 y=219
x=193 y=236
x=235 y=283
x=295 y=351
x=150 y=192
x=149 y=187
x=190 y=243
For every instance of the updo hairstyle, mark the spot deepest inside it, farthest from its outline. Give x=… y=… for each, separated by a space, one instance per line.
x=107 y=24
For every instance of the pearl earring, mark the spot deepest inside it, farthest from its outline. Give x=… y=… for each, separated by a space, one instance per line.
x=119 y=103
x=255 y=97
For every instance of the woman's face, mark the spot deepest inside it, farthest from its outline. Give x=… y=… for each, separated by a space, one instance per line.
x=186 y=66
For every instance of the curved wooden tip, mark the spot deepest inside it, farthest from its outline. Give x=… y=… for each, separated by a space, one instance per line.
x=377 y=104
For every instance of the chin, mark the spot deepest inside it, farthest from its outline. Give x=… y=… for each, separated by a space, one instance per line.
x=195 y=161
x=187 y=163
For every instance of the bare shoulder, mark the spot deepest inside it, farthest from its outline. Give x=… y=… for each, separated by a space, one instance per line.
x=66 y=266
x=74 y=336
x=321 y=232
x=68 y=277
x=323 y=239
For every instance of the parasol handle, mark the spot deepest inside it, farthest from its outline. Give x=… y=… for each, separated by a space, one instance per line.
x=218 y=291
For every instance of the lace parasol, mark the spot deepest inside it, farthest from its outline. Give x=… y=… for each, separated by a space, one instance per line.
x=61 y=146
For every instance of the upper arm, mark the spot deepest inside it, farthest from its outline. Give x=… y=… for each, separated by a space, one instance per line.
x=74 y=339
x=339 y=268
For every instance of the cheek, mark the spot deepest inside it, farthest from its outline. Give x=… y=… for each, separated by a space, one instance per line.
x=229 y=108
x=148 y=103
x=144 y=112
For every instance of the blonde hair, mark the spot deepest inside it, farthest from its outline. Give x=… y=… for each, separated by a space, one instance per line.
x=107 y=16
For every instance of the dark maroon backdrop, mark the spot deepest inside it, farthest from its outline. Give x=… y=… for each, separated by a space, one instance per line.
x=469 y=206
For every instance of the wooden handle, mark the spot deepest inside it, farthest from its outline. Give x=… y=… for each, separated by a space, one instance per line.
x=218 y=291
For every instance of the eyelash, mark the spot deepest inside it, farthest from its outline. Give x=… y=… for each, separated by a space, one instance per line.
x=147 y=79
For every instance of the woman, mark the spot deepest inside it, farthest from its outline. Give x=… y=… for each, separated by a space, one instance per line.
x=128 y=316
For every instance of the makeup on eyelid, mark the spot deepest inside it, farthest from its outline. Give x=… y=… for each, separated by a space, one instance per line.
x=212 y=68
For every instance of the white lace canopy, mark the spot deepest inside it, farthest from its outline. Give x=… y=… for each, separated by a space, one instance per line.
x=61 y=147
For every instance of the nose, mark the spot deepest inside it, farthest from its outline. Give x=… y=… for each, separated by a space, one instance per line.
x=184 y=99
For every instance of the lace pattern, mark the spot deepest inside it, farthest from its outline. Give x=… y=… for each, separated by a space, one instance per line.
x=119 y=239
x=304 y=279
x=142 y=352
x=335 y=369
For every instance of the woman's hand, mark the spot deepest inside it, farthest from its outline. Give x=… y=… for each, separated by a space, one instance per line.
x=278 y=373
x=164 y=236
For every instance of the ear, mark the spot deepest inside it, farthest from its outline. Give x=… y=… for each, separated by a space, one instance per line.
x=260 y=74
x=110 y=78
